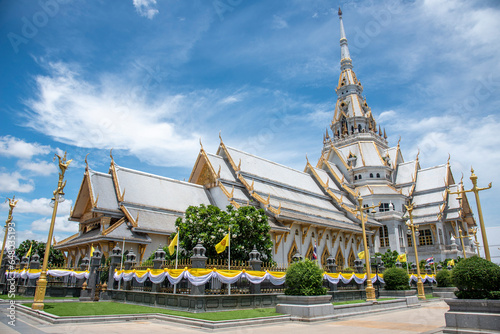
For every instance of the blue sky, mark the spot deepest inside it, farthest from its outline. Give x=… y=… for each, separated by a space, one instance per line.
x=150 y=78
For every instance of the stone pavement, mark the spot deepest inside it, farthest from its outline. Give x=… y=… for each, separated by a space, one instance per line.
x=426 y=319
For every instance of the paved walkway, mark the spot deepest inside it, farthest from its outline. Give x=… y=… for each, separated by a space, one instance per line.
x=426 y=319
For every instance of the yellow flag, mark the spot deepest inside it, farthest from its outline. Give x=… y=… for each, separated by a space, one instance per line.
x=29 y=251
x=91 y=250
x=402 y=257
x=361 y=254
x=451 y=262
x=221 y=246
x=173 y=243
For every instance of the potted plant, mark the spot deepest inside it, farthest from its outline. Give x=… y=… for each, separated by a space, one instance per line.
x=477 y=306
x=305 y=296
x=396 y=283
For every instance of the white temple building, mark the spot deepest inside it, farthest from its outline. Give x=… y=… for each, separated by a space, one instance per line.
x=313 y=206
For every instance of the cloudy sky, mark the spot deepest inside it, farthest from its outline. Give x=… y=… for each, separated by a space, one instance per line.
x=149 y=78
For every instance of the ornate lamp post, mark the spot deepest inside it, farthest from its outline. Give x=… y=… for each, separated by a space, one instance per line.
x=461 y=236
x=12 y=205
x=476 y=191
x=370 y=291
x=41 y=284
x=413 y=227
x=473 y=231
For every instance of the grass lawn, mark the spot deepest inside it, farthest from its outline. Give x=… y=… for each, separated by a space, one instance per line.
x=358 y=301
x=16 y=297
x=110 y=308
x=430 y=296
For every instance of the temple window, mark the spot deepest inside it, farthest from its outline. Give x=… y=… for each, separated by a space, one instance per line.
x=383 y=207
x=360 y=177
x=384 y=236
x=378 y=175
x=425 y=238
x=355 y=177
x=371 y=175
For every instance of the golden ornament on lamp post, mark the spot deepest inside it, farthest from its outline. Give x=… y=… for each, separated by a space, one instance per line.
x=476 y=191
x=41 y=284
x=12 y=205
x=412 y=226
x=461 y=236
x=370 y=290
x=473 y=231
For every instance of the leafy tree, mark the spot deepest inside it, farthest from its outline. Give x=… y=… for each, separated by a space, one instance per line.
x=304 y=278
x=56 y=257
x=210 y=224
x=476 y=278
x=389 y=258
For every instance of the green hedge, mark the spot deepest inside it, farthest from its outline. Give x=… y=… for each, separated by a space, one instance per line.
x=304 y=278
x=396 y=279
x=476 y=278
x=443 y=279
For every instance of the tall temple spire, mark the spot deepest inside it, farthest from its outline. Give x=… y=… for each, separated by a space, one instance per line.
x=345 y=56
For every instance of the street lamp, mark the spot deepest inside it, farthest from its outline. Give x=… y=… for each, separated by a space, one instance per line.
x=461 y=236
x=12 y=205
x=414 y=231
x=370 y=291
x=41 y=284
x=476 y=191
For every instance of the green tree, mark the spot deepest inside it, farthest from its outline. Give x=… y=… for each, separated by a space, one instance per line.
x=56 y=257
x=389 y=258
x=396 y=279
x=304 y=278
x=249 y=227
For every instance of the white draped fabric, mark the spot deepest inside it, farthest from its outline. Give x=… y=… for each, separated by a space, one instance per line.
x=34 y=274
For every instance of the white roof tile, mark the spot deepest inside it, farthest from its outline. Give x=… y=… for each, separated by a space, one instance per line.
x=160 y=192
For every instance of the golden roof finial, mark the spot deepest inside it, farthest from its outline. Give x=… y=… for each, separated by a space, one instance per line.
x=239 y=165
x=86 y=163
x=201 y=144
x=399 y=141
x=449 y=156
x=220 y=137
x=111 y=156
x=307 y=159
x=418 y=153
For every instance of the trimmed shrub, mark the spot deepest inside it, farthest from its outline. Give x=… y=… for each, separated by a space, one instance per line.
x=476 y=278
x=396 y=279
x=304 y=278
x=443 y=279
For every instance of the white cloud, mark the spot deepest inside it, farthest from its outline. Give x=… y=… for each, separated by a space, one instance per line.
x=386 y=115
x=230 y=99
x=279 y=22
x=18 y=148
x=15 y=182
x=101 y=115
x=43 y=168
x=62 y=224
x=146 y=8
x=39 y=206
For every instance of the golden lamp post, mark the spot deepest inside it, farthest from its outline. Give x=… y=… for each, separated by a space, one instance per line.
x=12 y=205
x=41 y=284
x=476 y=191
x=461 y=236
x=473 y=231
x=370 y=291
x=413 y=227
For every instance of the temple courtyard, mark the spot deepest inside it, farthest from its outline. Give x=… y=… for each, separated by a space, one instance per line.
x=429 y=318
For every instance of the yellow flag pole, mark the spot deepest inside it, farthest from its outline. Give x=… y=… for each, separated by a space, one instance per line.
x=176 y=258
x=229 y=258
